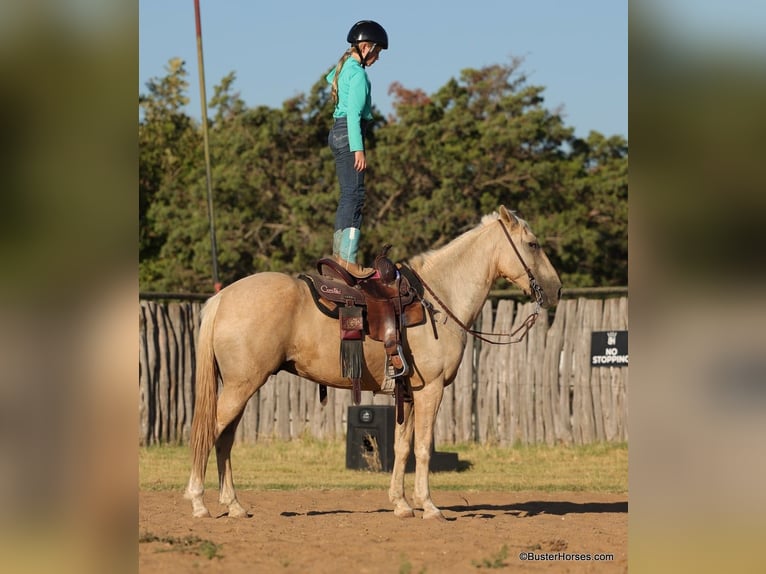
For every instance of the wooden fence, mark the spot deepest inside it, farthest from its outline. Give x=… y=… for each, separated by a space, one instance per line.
x=542 y=390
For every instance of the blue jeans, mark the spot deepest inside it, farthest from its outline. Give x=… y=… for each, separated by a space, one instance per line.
x=351 y=202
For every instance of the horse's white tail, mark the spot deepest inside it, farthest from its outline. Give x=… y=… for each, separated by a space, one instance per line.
x=203 y=423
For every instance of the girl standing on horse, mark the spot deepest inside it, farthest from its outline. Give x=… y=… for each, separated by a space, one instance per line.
x=353 y=111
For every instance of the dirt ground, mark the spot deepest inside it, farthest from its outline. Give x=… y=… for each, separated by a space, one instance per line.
x=331 y=531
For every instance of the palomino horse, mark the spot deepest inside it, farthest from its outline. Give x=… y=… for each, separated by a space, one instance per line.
x=268 y=322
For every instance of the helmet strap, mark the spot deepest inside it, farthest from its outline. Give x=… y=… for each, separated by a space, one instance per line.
x=363 y=59
x=359 y=53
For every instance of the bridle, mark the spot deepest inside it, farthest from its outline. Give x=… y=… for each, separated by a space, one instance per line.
x=533 y=285
x=525 y=326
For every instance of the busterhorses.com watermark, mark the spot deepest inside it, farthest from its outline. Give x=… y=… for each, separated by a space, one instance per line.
x=564 y=557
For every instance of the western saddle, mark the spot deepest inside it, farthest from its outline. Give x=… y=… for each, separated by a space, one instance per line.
x=380 y=305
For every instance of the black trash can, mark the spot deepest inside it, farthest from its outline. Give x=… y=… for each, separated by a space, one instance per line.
x=370 y=442
x=370 y=438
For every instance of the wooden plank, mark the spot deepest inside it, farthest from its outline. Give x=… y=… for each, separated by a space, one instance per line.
x=600 y=377
x=524 y=382
x=144 y=373
x=542 y=379
x=175 y=372
x=153 y=354
x=327 y=412
x=282 y=391
x=577 y=369
x=591 y=310
x=503 y=374
x=608 y=376
x=191 y=381
x=163 y=380
x=321 y=413
x=154 y=358
x=554 y=340
x=190 y=360
x=527 y=376
x=486 y=385
x=266 y=409
x=316 y=411
x=535 y=349
x=496 y=373
x=344 y=400
x=531 y=393
x=568 y=377
x=309 y=396
x=515 y=356
x=186 y=381
x=332 y=411
x=296 y=413
x=595 y=379
x=622 y=405
x=247 y=430
x=620 y=388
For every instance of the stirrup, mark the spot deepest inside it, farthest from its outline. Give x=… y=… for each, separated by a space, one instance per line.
x=391 y=371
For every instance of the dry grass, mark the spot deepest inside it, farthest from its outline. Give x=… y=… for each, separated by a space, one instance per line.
x=371 y=456
x=310 y=463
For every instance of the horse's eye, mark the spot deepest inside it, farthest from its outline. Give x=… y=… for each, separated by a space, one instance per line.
x=534 y=245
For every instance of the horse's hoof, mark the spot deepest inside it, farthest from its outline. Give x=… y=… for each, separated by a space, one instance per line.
x=404 y=512
x=236 y=510
x=434 y=515
x=201 y=513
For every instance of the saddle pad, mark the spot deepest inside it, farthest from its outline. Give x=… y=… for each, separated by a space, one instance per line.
x=414 y=313
x=327 y=307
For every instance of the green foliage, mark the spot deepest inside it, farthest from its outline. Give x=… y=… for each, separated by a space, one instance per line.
x=436 y=166
x=188 y=545
x=406 y=566
x=493 y=562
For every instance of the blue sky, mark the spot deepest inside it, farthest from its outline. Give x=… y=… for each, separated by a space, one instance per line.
x=577 y=50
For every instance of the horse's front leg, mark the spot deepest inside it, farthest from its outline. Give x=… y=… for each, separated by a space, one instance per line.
x=426 y=404
x=402 y=441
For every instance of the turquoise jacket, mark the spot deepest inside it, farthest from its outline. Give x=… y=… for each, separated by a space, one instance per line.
x=354 y=101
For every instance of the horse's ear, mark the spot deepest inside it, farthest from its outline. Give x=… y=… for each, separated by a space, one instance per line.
x=508 y=217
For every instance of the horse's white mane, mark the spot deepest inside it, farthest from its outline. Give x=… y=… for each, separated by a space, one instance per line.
x=491 y=218
x=494 y=216
x=485 y=221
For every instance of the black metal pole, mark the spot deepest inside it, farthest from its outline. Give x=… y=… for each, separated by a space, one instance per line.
x=203 y=104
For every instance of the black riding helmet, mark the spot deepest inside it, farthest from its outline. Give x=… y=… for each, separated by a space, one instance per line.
x=367 y=31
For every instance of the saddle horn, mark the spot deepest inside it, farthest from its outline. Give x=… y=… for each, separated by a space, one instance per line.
x=386 y=268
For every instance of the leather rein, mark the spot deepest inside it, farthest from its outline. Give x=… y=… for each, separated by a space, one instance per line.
x=525 y=326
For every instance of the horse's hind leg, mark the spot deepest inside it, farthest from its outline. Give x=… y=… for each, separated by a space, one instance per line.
x=402 y=441
x=228 y=409
x=194 y=491
x=223 y=446
x=231 y=405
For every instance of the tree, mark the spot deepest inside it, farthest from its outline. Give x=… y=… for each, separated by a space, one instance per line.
x=167 y=140
x=484 y=140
